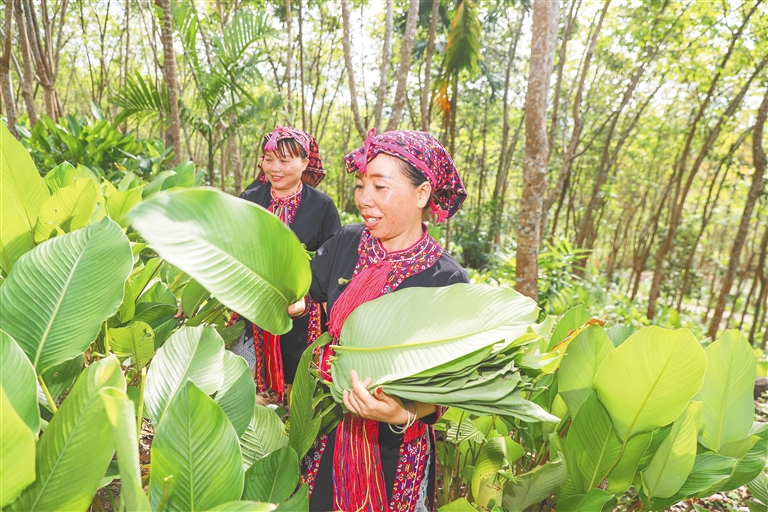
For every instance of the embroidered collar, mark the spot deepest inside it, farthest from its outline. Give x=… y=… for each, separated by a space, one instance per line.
x=285 y=208
x=413 y=260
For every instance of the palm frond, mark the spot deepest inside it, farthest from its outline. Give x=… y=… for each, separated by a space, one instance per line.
x=463 y=48
x=141 y=100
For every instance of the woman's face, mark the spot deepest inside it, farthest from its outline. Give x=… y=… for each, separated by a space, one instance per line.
x=390 y=204
x=283 y=171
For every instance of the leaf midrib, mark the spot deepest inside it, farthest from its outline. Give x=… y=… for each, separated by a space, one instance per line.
x=63 y=450
x=441 y=341
x=55 y=311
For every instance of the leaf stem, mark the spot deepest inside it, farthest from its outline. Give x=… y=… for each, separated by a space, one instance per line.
x=107 y=347
x=48 y=396
x=166 y=488
x=111 y=498
x=140 y=411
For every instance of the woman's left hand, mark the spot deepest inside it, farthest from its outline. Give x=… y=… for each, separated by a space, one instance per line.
x=378 y=406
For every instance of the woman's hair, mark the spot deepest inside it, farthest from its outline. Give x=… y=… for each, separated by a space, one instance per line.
x=287 y=147
x=415 y=176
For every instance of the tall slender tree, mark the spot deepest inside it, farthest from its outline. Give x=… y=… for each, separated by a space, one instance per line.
x=406 y=49
x=5 y=69
x=171 y=78
x=350 y=70
x=545 y=17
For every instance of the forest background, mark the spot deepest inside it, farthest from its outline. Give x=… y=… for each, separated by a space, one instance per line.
x=646 y=120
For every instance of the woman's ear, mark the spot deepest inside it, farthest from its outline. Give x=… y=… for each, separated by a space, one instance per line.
x=423 y=192
x=304 y=163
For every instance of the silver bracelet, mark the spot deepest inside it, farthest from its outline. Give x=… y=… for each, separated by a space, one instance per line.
x=408 y=423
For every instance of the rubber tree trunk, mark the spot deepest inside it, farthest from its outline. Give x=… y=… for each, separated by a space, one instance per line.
x=171 y=79
x=405 y=65
x=5 y=70
x=425 y=102
x=545 y=17
x=28 y=79
x=350 y=70
x=386 y=57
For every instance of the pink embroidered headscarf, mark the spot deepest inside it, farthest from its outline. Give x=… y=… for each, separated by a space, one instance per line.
x=423 y=151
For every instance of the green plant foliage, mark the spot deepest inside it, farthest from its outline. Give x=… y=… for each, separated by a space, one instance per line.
x=273 y=478
x=74 y=453
x=18 y=379
x=619 y=333
x=534 y=486
x=196 y=446
x=17 y=452
x=648 y=381
x=243 y=506
x=193 y=297
x=120 y=203
x=237 y=394
x=137 y=341
x=585 y=353
x=674 y=459
x=709 y=471
x=299 y=502
x=191 y=353
x=122 y=418
x=593 y=443
x=69 y=208
x=57 y=295
x=257 y=276
x=60 y=378
x=21 y=196
x=727 y=391
x=593 y=501
x=264 y=435
x=497 y=454
x=60 y=176
x=571 y=320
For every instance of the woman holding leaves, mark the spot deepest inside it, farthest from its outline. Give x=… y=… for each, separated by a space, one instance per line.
x=381 y=456
x=291 y=169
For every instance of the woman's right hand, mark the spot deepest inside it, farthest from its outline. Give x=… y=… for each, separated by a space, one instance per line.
x=297 y=308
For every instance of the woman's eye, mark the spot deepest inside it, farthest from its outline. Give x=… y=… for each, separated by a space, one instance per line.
x=380 y=187
x=358 y=187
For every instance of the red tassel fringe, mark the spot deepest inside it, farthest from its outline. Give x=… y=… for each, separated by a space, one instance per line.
x=358 y=477
x=365 y=286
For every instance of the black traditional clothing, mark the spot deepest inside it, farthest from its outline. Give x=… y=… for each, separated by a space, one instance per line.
x=404 y=458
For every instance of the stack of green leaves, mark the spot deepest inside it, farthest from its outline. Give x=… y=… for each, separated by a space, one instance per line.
x=457 y=346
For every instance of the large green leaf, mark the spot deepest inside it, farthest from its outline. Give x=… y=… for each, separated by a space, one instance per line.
x=618 y=334
x=60 y=176
x=257 y=276
x=60 y=378
x=120 y=203
x=122 y=418
x=243 y=506
x=137 y=341
x=196 y=445
x=263 y=436
x=57 y=295
x=649 y=379
x=673 y=461
x=21 y=195
x=388 y=339
x=459 y=505
x=17 y=377
x=17 y=452
x=191 y=353
x=69 y=208
x=622 y=475
x=593 y=441
x=709 y=471
x=571 y=320
x=753 y=462
x=534 y=486
x=273 y=478
x=593 y=501
x=299 y=502
x=727 y=391
x=74 y=453
x=193 y=297
x=583 y=358
x=304 y=422
x=237 y=395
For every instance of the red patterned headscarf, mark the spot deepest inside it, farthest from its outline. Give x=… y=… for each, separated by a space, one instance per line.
x=425 y=153
x=314 y=173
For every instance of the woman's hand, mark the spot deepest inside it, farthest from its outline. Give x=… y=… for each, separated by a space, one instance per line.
x=297 y=308
x=379 y=406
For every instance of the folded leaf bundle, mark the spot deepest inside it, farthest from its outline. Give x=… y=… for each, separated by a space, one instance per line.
x=454 y=346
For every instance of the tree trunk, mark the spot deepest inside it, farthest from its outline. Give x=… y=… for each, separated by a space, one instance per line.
x=289 y=61
x=562 y=55
x=578 y=123
x=5 y=70
x=46 y=56
x=758 y=156
x=386 y=57
x=405 y=65
x=501 y=172
x=350 y=70
x=425 y=88
x=545 y=16
x=26 y=59
x=171 y=80
x=301 y=65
